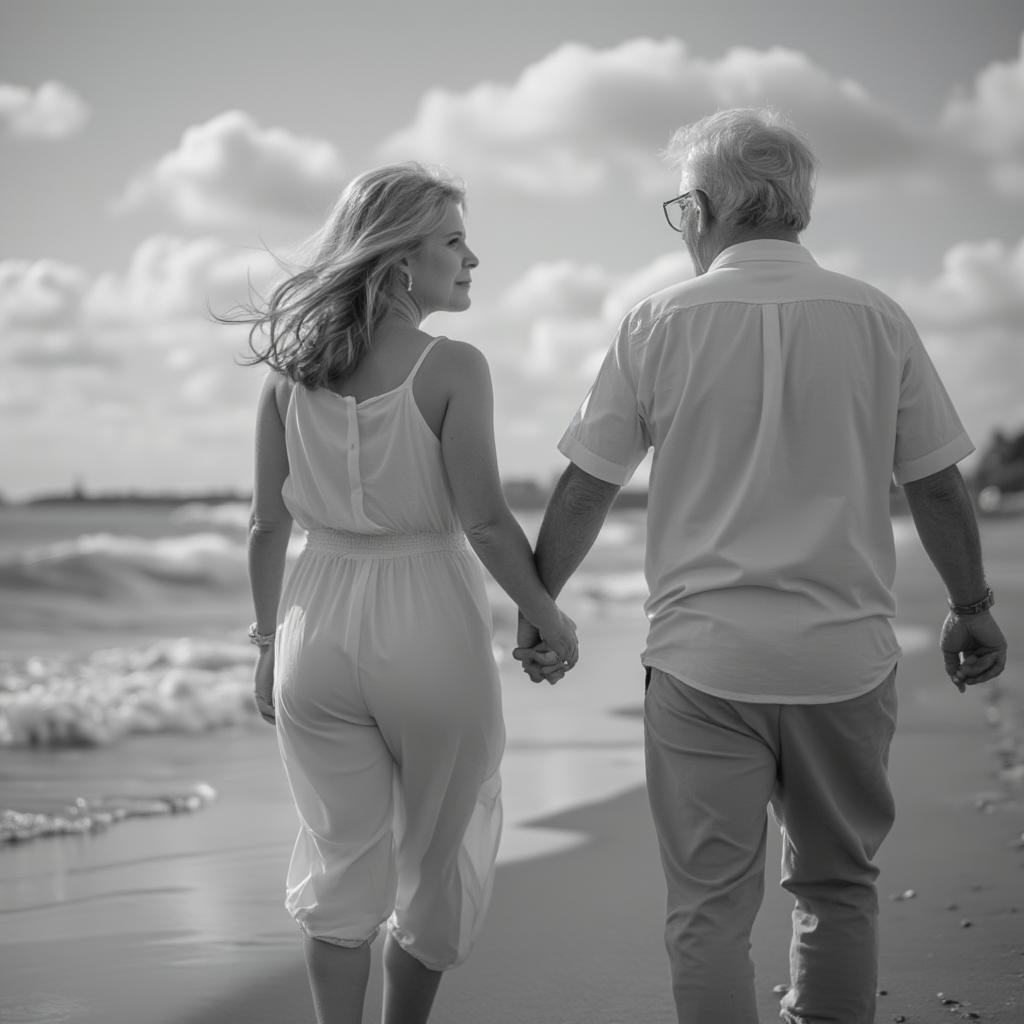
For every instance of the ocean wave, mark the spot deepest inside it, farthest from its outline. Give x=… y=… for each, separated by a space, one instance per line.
x=231 y=514
x=106 y=565
x=182 y=686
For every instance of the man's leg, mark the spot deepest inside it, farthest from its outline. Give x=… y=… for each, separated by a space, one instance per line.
x=711 y=768
x=835 y=807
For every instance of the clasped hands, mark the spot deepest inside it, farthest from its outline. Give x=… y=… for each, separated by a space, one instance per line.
x=540 y=662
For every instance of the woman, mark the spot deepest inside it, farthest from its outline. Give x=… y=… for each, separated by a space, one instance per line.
x=375 y=655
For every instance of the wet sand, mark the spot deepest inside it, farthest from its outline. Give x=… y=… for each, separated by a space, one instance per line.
x=179 y=920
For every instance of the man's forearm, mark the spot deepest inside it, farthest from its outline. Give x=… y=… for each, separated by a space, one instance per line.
x=573 y=519
x=945 y=521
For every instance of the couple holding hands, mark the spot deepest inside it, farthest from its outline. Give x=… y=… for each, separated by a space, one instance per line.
x=780 y=400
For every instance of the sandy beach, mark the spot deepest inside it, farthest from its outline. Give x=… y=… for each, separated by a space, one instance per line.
x=179 y=920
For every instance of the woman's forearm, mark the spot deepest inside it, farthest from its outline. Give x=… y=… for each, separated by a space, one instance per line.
x=506 y=554
x=267 y=554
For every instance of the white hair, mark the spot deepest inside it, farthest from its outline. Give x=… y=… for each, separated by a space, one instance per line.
x=755 y=168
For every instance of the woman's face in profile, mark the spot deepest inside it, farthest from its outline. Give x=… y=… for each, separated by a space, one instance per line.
x=441 y=266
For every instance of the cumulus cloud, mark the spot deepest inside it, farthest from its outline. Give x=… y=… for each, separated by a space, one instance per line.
x=980 y=287
x=40 y=294
x=131 y=364
x=990 y=121
x=51 y=112
x=554 y=322
x=559 y=288
x=170 y=278
x=58 y=316
x=230 y=169
x=580 y=116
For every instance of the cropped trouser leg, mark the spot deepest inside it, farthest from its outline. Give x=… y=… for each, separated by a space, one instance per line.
x=713 y=766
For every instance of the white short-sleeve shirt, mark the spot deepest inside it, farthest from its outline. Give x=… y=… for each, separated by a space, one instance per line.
x=780 y=400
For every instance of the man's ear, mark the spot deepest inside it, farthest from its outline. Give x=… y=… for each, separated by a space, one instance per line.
x=703 y=204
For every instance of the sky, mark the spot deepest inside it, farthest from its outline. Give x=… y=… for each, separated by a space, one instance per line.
x=158 y=159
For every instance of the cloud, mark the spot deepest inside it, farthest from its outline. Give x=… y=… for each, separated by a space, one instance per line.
x=230 y=169
x=40 y=294
x=52 y=112
x=990 y=121
x=971 y=319
x=561 y=288
x=171 y=278
x=581 y=116
x=152 y=317
x=980 y=287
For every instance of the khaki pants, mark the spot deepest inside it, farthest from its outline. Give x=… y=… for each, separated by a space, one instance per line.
x=713 y=768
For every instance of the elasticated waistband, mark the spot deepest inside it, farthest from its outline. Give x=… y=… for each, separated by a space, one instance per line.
x=383 y=545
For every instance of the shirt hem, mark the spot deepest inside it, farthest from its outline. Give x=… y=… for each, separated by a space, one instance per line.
x=771 y=698
x=595 y=465
x=942 y=458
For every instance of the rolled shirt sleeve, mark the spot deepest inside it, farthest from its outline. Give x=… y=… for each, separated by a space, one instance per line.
x=929 y=434
x=607 y=436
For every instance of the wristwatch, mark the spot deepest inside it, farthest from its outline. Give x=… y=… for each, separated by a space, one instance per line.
x=974 y=609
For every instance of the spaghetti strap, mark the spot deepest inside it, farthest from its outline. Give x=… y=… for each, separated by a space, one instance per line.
x=423 y=355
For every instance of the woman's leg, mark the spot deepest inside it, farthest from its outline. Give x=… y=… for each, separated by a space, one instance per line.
x=409 y=987
x=337 y=976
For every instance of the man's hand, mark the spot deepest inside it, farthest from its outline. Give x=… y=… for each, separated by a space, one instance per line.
x=264 y=687
x=539 y=661
x=973 y=648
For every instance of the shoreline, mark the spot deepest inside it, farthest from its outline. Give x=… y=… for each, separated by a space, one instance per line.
x=195 y=932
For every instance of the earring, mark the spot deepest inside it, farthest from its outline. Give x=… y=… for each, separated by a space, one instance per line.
x=408 y=283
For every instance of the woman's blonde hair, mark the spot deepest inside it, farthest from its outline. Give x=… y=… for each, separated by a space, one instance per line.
x=755 y=168
x=317 y=324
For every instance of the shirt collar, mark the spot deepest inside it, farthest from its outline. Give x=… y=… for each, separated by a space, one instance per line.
x=774 y=249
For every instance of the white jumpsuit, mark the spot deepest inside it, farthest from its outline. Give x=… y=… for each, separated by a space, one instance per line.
x=388 y=700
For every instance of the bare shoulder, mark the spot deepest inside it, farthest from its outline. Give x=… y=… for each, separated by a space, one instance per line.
x=458 y=360
x=277 y=388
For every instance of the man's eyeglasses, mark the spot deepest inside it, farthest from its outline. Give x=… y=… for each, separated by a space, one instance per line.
x=673 y=209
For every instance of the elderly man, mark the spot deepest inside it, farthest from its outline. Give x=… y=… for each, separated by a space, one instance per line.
x=780 y=400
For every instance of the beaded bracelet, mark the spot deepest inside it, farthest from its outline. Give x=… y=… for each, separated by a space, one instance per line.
x=261 y=639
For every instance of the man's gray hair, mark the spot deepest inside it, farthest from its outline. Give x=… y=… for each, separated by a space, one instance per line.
x=755 y=168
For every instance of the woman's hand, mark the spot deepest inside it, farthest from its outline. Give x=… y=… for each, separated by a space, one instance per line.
x=264 y=688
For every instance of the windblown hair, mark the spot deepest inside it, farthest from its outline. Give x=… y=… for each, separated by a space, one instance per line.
x=318 y=323
x=756 y=169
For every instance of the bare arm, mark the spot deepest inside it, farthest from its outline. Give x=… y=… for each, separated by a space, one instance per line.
x=270 y=525
x=575 y=513
x=471 y=463
x=574 y=516
x=973 y=646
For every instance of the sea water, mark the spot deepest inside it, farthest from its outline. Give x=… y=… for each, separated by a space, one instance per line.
x=122 y=621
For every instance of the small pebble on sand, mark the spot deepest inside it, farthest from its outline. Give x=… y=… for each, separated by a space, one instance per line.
x=907 y=894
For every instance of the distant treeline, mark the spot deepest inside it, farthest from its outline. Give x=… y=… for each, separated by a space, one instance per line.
x=1001 y=465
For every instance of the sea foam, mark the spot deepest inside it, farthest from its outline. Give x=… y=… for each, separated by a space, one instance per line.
x=184 y=686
